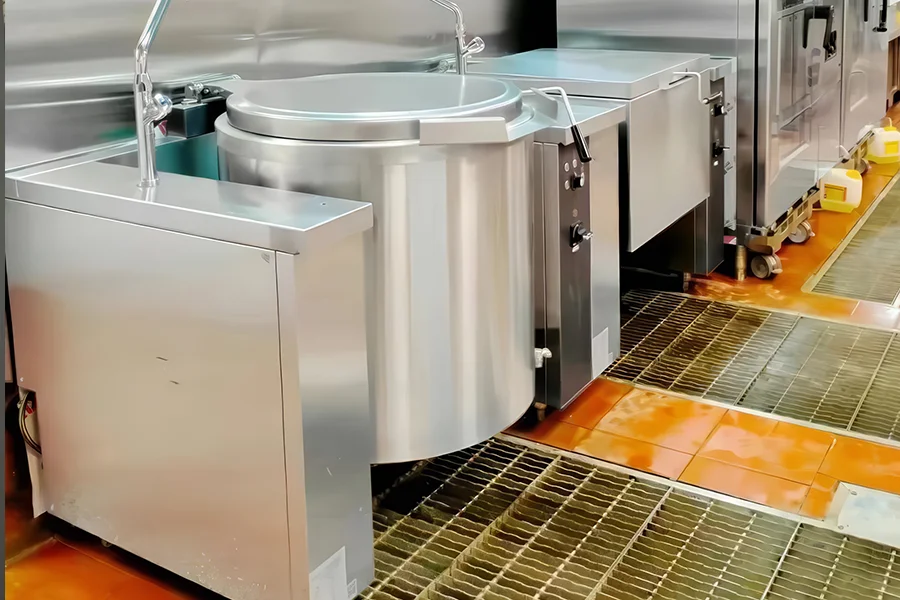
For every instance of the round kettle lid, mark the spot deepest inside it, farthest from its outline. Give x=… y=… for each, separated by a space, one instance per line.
x=366 y=106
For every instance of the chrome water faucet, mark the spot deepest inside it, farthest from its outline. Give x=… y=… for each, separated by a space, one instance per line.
x=464 y=49
x=149 y=108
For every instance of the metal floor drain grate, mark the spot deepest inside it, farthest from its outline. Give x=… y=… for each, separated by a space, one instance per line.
x=505 y=522
x=868 y=268
x=841 y=376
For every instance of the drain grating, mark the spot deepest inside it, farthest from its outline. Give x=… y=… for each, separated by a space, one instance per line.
x=505 y=522
x=868 y=268
x=808 y=369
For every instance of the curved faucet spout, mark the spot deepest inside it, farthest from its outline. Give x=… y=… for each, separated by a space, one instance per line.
x=464 y=49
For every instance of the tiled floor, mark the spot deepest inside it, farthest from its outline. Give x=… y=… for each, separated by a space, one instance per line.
x=802 y=262
x=756 y=458
x=74 y=566
x=753 y=457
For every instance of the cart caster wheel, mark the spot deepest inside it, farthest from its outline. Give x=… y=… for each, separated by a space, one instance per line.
x=802 y=234
x=765 y=266
x=105 y=544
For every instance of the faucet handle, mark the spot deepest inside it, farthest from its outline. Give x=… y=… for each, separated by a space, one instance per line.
x=475 y=46
x=158 y=109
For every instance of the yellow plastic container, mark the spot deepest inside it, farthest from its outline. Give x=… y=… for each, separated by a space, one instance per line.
x=842 y=190
x=884 y=146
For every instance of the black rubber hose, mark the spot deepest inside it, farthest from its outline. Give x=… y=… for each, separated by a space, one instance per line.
x=29 y=441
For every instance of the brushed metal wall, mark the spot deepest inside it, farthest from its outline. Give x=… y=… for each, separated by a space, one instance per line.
x=69 y=64
x=708 y=26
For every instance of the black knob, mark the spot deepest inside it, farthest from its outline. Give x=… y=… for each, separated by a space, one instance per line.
x=719 y=150
x=578 y=181
x=718 y=110
x=578 y=233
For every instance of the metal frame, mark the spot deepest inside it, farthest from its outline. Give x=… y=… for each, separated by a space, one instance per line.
x=673 y=484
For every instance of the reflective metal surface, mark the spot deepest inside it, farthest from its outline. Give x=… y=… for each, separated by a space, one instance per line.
x=113 y=412
x=596 y=73
x=82 y=55
x=327 y=421
x=464 y=48
x=174 y=317
x=367 y=106
x=783 y=146
x=576 y=277
x=865 y=69
x=280 y=220
x=706 y=26
x=451 y=340
x=667 y=126
x=149 y=108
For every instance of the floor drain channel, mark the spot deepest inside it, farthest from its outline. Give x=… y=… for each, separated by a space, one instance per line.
x=831 y=374
x=868 y=268
x=506 y=522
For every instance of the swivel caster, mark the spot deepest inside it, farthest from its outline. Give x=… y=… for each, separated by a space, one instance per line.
x=802 y=234
x=105 y=544
x=765 y=266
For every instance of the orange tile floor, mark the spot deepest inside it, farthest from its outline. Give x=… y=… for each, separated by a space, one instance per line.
x=802 y=262
x=74 y=566
x=756 y=458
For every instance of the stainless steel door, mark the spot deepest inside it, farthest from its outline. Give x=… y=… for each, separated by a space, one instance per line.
x=828 y=96
x=864 y=69
x=793 y=142
x=804 y=127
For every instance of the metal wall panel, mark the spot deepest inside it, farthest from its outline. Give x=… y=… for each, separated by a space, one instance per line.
x=160 y=392
x=81 y=54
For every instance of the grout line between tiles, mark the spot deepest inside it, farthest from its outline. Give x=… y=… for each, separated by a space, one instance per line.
x=758 y=472
x=796 y=313
x=824 y=428
x=678 y=485
x=711 y=433
x=753 y=471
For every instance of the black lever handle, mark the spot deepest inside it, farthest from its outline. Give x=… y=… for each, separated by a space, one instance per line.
x=580 y=145
x=866 y=11
x=882 y=18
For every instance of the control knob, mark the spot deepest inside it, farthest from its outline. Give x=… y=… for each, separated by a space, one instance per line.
x=578 y=234
x=578 y=181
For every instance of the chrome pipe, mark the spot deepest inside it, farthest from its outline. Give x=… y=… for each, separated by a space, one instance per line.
x=464 y=49
x=149 y=108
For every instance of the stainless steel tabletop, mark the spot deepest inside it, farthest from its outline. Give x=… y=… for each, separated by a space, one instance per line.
x=594 y=73
x=592 y=115
x=277 y=220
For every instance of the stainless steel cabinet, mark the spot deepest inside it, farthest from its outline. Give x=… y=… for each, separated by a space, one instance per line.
x=789 y=76
x=865 y=67
x=804 y=122
x=667 y=128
